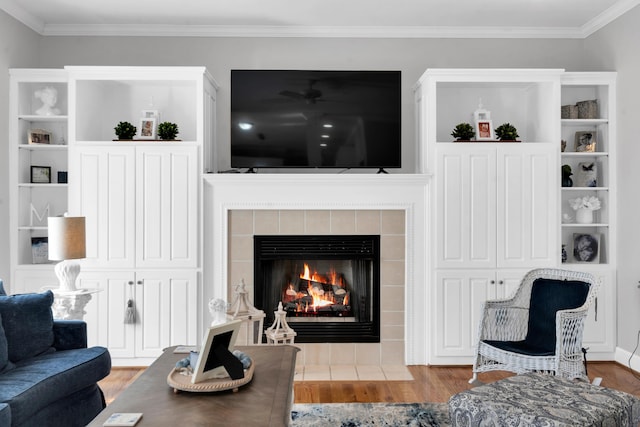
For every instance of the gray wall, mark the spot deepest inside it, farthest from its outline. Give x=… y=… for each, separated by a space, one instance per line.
x=220 y=55
x=19 y=47
x=616 y=48
x=612 y=48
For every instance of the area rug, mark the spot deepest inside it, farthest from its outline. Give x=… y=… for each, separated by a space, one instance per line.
x=370 y=414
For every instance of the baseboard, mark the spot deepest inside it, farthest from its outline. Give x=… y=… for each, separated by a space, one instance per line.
x=628 y=359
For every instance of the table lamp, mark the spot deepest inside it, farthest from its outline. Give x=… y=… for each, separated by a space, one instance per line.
x=66 y=242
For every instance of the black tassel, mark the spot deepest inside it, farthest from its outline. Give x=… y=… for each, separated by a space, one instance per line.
x=130 y=313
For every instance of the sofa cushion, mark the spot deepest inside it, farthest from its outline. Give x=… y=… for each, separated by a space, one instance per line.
x=2 y=291
x=5 y=415
x=4 y=351
x=28 y=324
x=40 y=381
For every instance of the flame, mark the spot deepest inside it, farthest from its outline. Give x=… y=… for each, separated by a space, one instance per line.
x=319 y=296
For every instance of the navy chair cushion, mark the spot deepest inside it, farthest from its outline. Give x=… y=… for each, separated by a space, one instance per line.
x=28 y=324
x=548 y=296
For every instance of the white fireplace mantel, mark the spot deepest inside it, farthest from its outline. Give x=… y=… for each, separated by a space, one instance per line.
x=226 y=192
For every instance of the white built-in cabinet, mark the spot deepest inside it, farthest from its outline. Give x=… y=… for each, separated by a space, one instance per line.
x=497 y=207
x=142 y=202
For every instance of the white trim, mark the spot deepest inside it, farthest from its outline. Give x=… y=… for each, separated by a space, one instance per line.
x=152 y=30
x=15 y=10
x=618 y=9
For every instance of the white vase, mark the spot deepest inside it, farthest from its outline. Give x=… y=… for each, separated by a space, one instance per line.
x=584 y=216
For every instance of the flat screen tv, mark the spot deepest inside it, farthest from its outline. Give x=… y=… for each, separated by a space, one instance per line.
x=315 y=119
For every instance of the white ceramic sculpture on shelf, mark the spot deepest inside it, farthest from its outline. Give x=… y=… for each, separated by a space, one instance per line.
x=49 y=98
x=218 y=311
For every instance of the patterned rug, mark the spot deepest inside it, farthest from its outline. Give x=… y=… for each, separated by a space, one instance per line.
x=370 y=414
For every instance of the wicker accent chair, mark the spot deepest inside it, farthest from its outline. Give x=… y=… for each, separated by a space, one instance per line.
x=540 y=328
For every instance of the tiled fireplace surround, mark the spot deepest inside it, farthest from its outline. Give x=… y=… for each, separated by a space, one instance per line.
x=393 y=206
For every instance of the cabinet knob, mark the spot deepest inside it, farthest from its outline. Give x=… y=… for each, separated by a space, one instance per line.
x=493 y=282
x=139 y=282
x=501 y=282
x=130 y=282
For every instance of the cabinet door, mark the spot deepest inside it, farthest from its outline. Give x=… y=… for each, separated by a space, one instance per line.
x=466 y=204
x=458 y=300
x=167 y=305
x=105 y=194
x=105 y=313
x=526 y=206
x=167 y=210
x=599 y=330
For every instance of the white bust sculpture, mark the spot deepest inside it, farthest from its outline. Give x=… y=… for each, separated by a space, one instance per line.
x=218 y=311
x=49 y=98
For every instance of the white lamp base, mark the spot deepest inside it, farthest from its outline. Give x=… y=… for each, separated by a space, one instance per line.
x=67 y=272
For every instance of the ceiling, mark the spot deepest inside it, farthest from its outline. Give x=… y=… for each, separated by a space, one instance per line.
x=319 y=18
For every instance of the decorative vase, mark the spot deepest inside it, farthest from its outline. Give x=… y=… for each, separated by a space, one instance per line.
x=584 y=216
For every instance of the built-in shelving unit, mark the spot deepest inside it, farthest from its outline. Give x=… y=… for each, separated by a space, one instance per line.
x=44 y=194
x=598 y=87
x=498 y=208
x=141 y=199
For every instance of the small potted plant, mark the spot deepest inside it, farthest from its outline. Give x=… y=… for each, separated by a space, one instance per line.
x=125 y=130
x=167 y=130
x=463 y=132
x=507 y=132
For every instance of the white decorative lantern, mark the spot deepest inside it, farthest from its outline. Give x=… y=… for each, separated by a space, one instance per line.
x=280 y=332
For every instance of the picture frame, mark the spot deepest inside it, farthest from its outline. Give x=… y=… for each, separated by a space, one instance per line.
x=40 y=250
x=484 y=130
x=586 y=248
x=215 y=359
x=148 y=128
x=39 y=137
x=40 y=174
x=585 y=142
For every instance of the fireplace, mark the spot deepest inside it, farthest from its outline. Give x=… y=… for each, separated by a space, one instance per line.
x=328 y=285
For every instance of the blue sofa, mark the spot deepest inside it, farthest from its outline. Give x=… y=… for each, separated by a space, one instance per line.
x=48 y=376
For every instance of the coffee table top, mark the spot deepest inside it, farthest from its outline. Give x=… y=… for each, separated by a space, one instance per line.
x=265 y=401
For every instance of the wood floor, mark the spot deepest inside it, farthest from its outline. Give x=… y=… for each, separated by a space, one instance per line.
x=431 y=384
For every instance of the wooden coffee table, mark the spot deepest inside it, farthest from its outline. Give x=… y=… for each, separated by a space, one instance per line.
x=265 y=401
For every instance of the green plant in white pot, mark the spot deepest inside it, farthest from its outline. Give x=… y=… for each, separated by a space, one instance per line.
x=125 y=130
x=167 y=131
x=507 y=132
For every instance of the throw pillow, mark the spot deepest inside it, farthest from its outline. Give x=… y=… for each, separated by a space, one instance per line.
x=2 y=291
x=28 y=324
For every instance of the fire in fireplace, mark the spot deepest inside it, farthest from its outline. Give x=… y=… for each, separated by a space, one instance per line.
x=328 y=285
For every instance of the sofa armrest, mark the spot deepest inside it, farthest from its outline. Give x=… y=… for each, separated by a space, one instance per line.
x=69 y=334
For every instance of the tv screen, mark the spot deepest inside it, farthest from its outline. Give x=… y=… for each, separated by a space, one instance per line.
x=318 y=119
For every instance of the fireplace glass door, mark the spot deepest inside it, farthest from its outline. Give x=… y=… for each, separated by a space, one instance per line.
x=328 y=285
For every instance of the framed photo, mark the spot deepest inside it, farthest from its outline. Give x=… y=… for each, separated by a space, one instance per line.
x=585 y=142
x=40 y=250
x=40 y=175
x=39 y=136
x=148 y=128
x=484 y=130
x=586 y=248
x=215 y=359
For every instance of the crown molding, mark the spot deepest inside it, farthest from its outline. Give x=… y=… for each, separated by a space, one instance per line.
x=618 y=9
x=310 y=31
x=13 y=9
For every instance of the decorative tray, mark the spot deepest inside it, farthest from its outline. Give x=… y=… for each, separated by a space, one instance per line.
x=181 y=382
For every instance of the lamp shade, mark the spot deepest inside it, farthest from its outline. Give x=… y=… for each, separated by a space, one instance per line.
x=66 y=238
